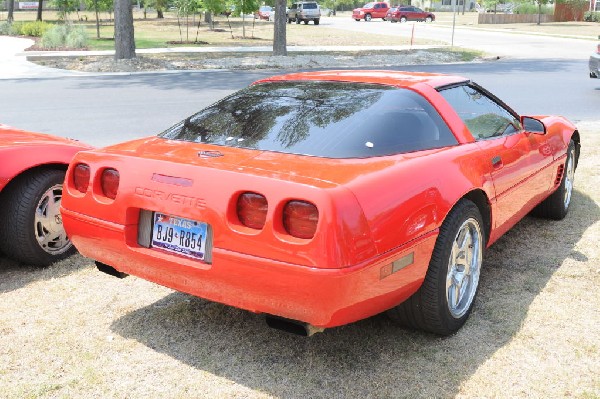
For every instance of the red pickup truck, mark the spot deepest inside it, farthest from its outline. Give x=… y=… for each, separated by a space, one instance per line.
x=370 y=11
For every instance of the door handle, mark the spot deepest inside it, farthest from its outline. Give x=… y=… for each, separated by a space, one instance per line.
x=497 y=162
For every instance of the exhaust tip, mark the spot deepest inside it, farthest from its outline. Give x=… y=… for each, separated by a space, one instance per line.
x=292 y=326
x=110 y=270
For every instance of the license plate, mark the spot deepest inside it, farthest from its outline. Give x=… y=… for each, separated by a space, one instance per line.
x=179 y=235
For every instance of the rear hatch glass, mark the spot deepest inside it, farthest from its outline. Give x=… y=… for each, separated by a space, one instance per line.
x=324 y=119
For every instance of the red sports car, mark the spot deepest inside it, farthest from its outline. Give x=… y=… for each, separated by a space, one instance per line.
x=323 y=198
x=32 y=170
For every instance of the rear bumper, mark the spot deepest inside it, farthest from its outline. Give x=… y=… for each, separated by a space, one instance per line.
x=321 y=297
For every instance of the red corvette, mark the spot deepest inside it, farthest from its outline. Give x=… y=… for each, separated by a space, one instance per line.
x=32 y=171
x=284 y=199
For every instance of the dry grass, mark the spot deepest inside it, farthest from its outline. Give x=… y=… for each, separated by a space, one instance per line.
x=69 y=331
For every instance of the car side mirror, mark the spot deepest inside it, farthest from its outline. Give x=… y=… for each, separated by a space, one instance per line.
x=532 y=125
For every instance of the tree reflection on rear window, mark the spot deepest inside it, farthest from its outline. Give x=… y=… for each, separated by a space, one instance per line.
x=324 y=119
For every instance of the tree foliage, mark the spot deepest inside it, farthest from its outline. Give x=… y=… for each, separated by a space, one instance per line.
x=186 y=8
x=99 y=6
x=65 y=7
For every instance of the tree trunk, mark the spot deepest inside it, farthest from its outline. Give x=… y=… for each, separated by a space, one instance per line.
x=39 y=10
x=208 y=17
x=279 y=34
x=11 y=10
x=124 y=36
x=159 y=13
x=539 y=13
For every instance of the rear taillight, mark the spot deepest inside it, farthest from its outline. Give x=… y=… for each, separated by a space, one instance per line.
x=109 y=181
x=598 y=49
x=300 y=219
x=252 y=210
x=81 y=177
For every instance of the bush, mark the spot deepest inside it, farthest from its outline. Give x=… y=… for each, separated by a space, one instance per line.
x=526 y=8
x=10 y=29
x=65 y=35
x=591 y=16
x=37 y=28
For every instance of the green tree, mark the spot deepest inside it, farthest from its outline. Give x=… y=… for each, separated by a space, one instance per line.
x=158 y=5
x=11 y=9
x=245 y=7
x=124 y=34
x=214 y=7
x=185 y=8
x=65 y=7
x=98 y=6
x=279 y=32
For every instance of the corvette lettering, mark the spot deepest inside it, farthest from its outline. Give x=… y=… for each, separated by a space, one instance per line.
x=176 y=198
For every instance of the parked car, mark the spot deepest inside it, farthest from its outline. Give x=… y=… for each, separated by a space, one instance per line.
x=323 y=198
x=595 y=63
x=370 y=11
x=32 y=171
x=304 y=12
x=264 y=12
x=409 y=13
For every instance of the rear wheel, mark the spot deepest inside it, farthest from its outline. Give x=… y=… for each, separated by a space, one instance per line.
x=428 y=19
x=444 y=301
x=305 y=22
x=556 y=206
x=403 y=19
x=317 y=22
x=297 y=20
x=32 y=230
x=367 y=17
x=357 y=19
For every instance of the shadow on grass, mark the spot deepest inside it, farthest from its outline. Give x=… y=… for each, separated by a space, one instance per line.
x=373 y=357
x=14 y=275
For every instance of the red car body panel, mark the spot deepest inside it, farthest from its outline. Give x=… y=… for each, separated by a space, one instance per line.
x=344 y=273
x=21 y=150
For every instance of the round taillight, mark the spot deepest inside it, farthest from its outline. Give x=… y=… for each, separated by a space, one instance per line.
x=252 y=210
x=81 y=177
x=110 y=183
x=300 y=219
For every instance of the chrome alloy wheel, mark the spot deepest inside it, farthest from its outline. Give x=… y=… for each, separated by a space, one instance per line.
x=464 y=267
x=48 y=228
x=569 y=177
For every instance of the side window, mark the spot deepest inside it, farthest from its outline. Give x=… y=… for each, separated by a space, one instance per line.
x=484 y=117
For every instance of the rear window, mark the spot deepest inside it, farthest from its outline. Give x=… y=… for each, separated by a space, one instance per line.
x=309 y=6
x=324 y=119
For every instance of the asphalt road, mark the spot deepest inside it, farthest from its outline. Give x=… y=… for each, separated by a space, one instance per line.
x=493 y=42
x=103 y=110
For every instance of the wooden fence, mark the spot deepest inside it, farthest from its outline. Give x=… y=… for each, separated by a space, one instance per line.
x=491 y=18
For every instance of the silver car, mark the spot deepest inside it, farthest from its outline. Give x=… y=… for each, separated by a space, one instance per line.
x=595 y=63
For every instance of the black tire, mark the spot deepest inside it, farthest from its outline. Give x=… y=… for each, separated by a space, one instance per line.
x=289 y=20
x=384 y=19
x=428 y=19
x=367 y=17
x=34 y=193
x=297 y=20
x=305 y=22
x=403 y=19
x=557 y=205
x=429 y=309
x=317 y=22
x=357 y=20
